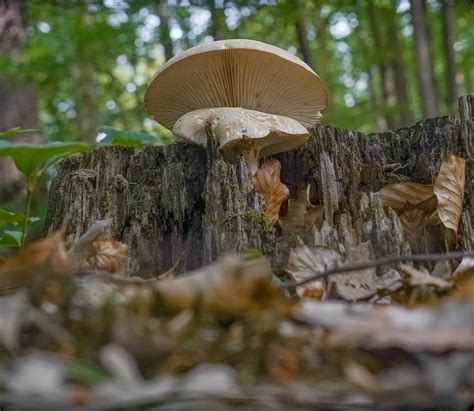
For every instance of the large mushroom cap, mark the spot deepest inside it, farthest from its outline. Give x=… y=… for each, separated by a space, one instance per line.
x=236 y=73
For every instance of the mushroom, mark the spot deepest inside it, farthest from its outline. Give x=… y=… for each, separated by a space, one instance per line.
x=258 y=99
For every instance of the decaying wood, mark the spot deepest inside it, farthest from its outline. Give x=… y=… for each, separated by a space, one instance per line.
x=186 y=203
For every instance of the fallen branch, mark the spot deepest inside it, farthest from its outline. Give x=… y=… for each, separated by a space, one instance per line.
x=379 y=262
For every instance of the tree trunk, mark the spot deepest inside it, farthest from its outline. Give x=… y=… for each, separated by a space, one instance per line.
x=398 y=66
x=386 y=74
x=184 y=204
x=84 y=73
x=163 y=12
x=218 y=23
x=447 y=12
x=18 y=99
x=426 y=78
x=302 y=34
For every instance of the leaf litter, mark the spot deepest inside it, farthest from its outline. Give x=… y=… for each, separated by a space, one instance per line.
x=77 y=330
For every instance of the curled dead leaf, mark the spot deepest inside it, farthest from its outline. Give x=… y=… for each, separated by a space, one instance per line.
x=267 y=182
x=449 y=190
x=465 y=268
x=41 y=258
x=111 y=256
x=398 y=195
x=230 y=286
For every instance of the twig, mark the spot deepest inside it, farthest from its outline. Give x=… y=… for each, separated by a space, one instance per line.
x=379 y=262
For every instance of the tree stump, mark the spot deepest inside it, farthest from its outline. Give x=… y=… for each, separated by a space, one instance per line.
x=185 y=204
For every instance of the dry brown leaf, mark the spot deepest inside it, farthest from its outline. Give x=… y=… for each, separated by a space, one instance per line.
x=230 y=286
x=449 y=190
x=305 y=262
x=465 y=268
x=111 y=256
x=398 y=195
x=354 y=285
x=91 y=253
x=267 y=182
x=3 y=260
x=301 y=215
x=41 y=258
x=421 y=277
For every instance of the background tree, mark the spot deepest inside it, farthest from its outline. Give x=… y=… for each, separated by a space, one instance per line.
x=18 y=97
x=429 y=95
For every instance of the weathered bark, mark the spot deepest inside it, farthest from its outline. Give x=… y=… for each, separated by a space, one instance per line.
x=18 y=99
x=185 y=203
x=424 y=61
x=447 y=13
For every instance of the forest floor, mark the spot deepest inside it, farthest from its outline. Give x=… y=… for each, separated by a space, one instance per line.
x=76 y=332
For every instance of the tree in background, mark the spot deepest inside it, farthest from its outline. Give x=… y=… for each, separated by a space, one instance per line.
x=18 y=97
x=424 y=67
x=92 y=59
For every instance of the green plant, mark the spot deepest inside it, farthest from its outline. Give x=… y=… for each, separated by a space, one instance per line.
x=31 y=160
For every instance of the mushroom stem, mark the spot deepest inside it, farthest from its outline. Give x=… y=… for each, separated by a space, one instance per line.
x=251 y=157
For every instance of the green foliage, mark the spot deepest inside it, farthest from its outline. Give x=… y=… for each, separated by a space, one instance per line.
x=85 y=373
x=129 y=138
x=14 y=132
x=11 y=238
x=251 y=254
x=9 y=217
x=31 y=158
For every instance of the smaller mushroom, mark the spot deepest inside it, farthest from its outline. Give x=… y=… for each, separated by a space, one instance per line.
x=240 y=131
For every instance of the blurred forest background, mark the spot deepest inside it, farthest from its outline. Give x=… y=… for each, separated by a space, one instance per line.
x=68 y=67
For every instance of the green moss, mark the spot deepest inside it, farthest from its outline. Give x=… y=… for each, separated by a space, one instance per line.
x=253 y=216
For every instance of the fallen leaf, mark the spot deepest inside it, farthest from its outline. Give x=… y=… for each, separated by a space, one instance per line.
x=111 y=256
x=446 y=327
x=41 y=258
x=398 y=195
x=301 y=215
x=230 y=286
x=3 y=260
x=466 y=267
x=449 y=190
x=90 y=253
x=12 y=311
x=421 y=277
x=267 y=182
x=305 y=262
x=442 y=269
x=354 y=285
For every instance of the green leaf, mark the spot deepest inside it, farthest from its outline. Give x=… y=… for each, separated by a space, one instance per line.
x=127 y=138
x=10 y=238
x=251 y=254
x=86 y=373
x=29 y=157
x=9 y=217
x=15 y=131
